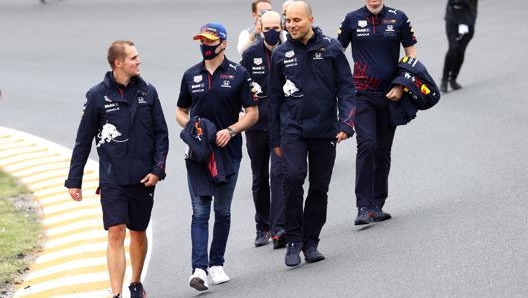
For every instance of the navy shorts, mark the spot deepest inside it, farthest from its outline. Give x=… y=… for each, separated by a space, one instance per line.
x=127 y=204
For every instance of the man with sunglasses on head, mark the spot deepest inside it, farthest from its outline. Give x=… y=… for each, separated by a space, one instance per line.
x=215 y=89
x=251 y=35
x=269 y=203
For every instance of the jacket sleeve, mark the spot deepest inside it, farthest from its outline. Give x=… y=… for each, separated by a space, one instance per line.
x=83 y=142
x=346 y=93
x=344 y=33
x=245 y=61
x=407 y=37
x=275 y=99
x=161 y=138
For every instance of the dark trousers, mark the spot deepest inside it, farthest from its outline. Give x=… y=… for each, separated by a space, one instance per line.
x=457 y=48
x=269 y=202
x=317 y=157
x=374 y=135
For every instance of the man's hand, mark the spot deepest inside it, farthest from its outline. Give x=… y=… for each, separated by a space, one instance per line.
x=75 y=193
x=150 y=179
x=395 y=93
x=278 y=151
x=341 y=136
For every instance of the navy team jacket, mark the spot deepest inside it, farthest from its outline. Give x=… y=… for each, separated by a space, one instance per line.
x=130 y=131
x=256 y=59
x=311 y=93
x=420 y=91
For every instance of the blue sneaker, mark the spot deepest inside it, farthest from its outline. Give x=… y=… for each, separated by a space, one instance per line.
x=363 y=217
x=262 y=238
x=311 y=254
x=378 y=215
x=292 y=257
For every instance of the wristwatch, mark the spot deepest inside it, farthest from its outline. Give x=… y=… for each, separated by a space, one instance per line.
x=232 y=133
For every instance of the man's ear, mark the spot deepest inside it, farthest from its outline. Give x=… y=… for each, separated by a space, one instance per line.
x=118 y=62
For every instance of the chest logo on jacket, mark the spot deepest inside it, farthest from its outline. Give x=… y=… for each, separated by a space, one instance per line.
x=318 y=56
x=226 y=84
x=108 y=134
x=111 y=107
x=290 y=89
x=290 y=61
x=198 y=87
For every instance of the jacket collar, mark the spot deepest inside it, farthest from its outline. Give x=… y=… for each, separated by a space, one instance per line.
x=110 y=82
x=366 y=13
x=315 y=43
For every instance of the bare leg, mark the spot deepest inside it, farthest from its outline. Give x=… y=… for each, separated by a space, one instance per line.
x=138 y=253
x=115 y=257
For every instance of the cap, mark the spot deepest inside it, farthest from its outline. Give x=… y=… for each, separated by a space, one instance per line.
x=212 y=31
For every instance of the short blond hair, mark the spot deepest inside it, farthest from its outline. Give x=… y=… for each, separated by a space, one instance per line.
x=117 y=51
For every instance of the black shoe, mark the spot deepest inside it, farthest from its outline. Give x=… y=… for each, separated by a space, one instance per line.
x=117 y=296
x=362 y=217
x=311 y=254
x=455 y=85
x=262 y=238
x=137 y=291
x=279 y=241
x=292 y=257
x=443 y=85
x=378 y=215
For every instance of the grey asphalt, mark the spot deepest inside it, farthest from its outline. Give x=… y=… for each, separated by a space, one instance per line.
x=458 y=191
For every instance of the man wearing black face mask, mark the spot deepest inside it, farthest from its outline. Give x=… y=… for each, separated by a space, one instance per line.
x=215 y=89
x=269 y=203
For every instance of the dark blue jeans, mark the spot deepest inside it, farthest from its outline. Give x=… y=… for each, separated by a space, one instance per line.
x=315 y=157
x=223 y=195
x=374 y=135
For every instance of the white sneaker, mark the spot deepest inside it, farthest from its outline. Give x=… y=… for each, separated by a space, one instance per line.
x=218 y=275
x=198 y=280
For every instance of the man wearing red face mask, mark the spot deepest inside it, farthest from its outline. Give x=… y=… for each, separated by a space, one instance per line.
x=215 y=89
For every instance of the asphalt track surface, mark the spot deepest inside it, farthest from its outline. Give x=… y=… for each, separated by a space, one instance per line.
x=458 y=181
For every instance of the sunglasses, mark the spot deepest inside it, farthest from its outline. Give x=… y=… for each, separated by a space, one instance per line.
x=262 y=11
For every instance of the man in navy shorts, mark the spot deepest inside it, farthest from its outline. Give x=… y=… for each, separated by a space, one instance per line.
x=124 y=115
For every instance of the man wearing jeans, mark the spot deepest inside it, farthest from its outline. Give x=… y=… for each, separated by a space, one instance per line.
x=215 y=89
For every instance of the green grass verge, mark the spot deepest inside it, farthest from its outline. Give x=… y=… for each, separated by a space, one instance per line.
x=20 y=230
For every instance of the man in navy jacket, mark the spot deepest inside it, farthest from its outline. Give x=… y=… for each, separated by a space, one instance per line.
x=311 y=108
x=269 y=202
x=124 y=115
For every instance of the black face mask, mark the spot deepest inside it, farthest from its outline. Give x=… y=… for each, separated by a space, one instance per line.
x=209 y=52
x=271 y=37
